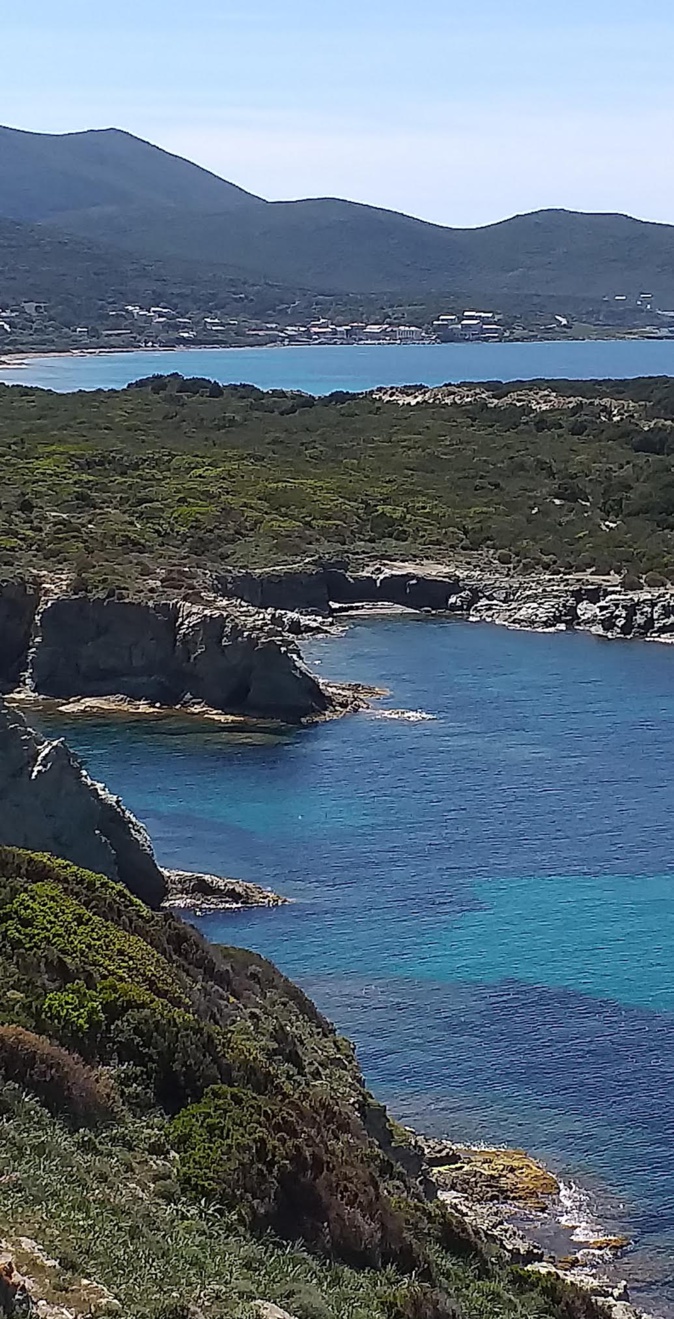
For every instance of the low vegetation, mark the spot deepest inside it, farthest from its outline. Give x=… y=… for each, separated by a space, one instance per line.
x=179 y=1123
x=172 y=473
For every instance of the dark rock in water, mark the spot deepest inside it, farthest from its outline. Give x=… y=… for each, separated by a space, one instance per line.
x=167 y=653
x=18 y=604
x=48 y=803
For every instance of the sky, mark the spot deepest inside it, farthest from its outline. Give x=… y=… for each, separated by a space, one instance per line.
x=459 y=111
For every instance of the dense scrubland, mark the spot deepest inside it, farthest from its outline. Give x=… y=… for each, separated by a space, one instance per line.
x=175 y=472
x=179 y=1123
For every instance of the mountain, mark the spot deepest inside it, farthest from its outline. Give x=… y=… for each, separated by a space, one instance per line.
x=116 y=191
x=344 y=247
x=43 y=175
x=79 y=278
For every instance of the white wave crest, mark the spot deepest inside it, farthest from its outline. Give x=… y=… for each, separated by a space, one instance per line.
x=410 y=716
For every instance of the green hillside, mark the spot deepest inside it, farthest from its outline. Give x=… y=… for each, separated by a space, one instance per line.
x=174 y=473
x=340 y=246
x=80 y=279
x=181 y=1126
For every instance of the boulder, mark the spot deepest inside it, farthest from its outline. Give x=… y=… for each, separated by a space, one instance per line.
x=48 y=803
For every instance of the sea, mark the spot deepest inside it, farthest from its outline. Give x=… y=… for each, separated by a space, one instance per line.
x=320 y=370
x=481 y=871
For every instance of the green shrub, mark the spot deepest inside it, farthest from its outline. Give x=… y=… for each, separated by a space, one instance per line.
x=293 y=1165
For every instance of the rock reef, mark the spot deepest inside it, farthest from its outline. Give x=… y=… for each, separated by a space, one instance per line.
x=48 y=803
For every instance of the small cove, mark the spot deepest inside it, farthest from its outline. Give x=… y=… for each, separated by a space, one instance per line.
x=484 y=900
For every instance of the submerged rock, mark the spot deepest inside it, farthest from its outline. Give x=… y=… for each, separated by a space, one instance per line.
x=48 y=803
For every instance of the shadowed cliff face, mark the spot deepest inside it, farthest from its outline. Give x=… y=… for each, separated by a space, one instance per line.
x=49 y=803
x=18 y=603
x=161 y=652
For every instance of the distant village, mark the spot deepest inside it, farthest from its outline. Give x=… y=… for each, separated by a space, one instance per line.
x=33 y=324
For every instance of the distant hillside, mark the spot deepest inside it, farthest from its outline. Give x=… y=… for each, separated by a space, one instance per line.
x=43 y=175
x=340 y=246
x=79 y=278
x=120 y=192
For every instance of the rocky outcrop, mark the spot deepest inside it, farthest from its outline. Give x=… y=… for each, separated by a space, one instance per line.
x=305 y=589
x=18 y=603
x=169 y=653
x=48 y=803
x=190 y=891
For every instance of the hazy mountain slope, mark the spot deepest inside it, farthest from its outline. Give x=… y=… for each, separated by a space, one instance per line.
x=340 y=246
x=78 y=277
x=44 y=174
x=119 y=192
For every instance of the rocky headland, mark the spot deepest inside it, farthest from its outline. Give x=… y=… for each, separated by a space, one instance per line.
x=167 y=653
x=231 y=647
x=50 y=804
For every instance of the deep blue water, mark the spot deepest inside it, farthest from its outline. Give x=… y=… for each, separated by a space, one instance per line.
x=322 y=369
x=484 y=900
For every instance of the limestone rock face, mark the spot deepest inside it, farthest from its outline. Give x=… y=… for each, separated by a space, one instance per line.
x=166 y=654
x=48 y=803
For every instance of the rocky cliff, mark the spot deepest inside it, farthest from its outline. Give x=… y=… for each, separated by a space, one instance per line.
x=485 y=594
x=164 y=652
x=49 y=803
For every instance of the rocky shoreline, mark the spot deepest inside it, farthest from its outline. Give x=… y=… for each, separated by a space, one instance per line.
x=230 y=648
x=474 y=590
x=509 y=1200
x=203 y=894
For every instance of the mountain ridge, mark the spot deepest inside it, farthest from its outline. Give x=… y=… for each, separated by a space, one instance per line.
x=108 y=187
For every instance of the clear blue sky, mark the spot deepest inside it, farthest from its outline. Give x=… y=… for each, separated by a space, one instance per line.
x=462 y=111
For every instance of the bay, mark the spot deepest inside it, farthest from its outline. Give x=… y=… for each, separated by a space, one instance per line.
x=483 y=898
x=320 y=370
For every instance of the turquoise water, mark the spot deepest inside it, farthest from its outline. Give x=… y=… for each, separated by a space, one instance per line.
x=484 y=900
x=320 y=370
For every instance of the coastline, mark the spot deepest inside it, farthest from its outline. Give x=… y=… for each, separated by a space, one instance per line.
x=24 y=358
x=494 y=1218
x=518 y=1206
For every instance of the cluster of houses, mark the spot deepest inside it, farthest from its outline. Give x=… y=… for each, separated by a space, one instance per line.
x=133 y=326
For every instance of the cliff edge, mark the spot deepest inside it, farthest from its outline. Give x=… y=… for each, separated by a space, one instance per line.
x=49 y=803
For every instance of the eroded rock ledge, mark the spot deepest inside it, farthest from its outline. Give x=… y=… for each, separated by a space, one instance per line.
x=477 y=593
x=201 y=894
